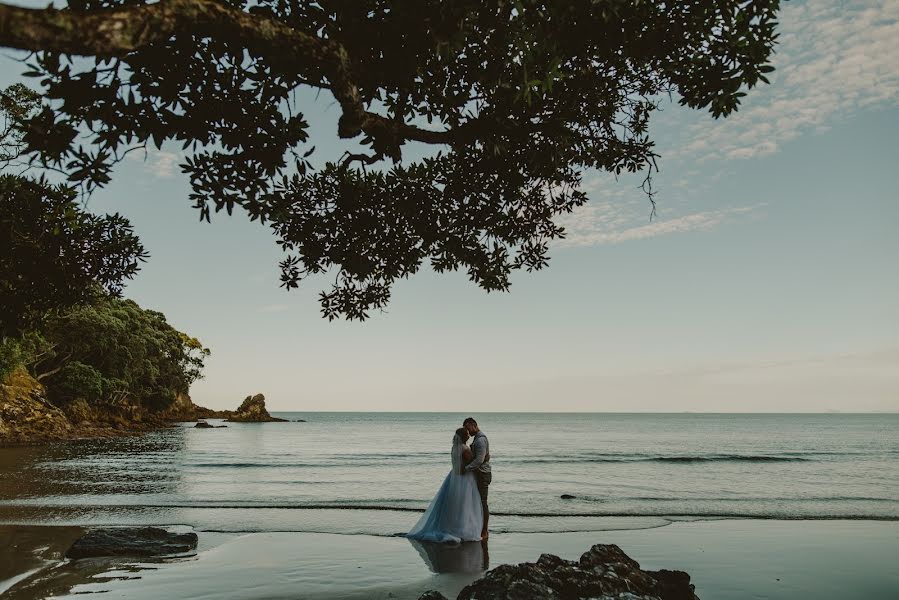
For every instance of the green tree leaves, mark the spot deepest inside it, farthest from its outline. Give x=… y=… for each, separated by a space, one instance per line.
x=528 y=95
x=54 y=255
x=112 y=351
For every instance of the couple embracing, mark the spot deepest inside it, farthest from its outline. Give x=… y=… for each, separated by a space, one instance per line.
x=459 y=513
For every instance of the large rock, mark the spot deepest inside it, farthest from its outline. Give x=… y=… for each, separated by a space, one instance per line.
x=252 y=410
x=131 y=541
x=604 y=572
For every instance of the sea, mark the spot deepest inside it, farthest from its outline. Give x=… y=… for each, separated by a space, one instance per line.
x=374 y=473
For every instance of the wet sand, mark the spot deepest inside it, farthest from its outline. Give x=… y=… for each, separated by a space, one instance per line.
x=727 y=559
x=26 y=549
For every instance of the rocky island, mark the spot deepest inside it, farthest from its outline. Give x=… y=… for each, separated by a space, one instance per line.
x=252 y=410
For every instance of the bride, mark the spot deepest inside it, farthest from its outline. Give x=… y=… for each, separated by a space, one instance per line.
x=455 y=513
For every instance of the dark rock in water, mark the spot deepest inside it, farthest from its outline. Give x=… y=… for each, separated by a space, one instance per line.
x=132 y=541
x=221 y=427
x=252 y=410
x=300 y=421
x=432 y=595
x=673 y=585
x=604 y=572
x=203 y=425
x=567 y=497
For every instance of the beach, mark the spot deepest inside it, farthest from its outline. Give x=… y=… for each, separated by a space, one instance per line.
x=727 y=559
x=751 y=506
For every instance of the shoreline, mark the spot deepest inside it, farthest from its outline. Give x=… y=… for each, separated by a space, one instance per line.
x=726 y=559
x=85 y=432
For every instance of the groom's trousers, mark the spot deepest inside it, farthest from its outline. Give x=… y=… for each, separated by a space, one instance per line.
x=483 y=480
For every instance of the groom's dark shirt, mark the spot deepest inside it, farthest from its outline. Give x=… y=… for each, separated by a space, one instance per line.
x=480 y=447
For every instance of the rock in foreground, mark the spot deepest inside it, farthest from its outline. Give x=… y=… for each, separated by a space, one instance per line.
x=252 y=410
x=131 y=541
x=604 y=572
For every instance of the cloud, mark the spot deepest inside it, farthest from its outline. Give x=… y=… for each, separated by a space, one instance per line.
x=162 y=164
x=610 y=223
x=834 y=58
x=158 y=163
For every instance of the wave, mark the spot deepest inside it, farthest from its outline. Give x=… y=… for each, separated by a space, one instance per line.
x=661 y=513
x=730 y=458
x=699 y=458
x=637 y=512
x=563 y=459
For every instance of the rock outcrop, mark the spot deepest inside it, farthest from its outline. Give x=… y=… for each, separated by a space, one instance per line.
x=604 y=572
x=26 y=414
x=183 y=409
x=252 y=410
x=131 y=541
x=28 y=417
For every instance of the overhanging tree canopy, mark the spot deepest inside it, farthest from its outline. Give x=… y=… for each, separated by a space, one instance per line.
x=520 y=98
x=53 y=254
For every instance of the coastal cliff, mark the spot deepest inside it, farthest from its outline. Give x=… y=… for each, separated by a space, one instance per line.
x=27 y=416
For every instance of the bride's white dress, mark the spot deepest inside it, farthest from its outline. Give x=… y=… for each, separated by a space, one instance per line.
x=455 y=513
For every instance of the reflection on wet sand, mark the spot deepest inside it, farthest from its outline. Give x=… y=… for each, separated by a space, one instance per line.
x=33 y=565
x=468 y=557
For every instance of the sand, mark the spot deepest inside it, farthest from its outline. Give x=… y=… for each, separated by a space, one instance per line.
x=728 y=559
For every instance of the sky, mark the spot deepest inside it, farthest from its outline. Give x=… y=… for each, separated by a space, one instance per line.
x=767 y=282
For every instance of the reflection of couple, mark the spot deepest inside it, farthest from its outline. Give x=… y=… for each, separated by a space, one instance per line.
x=458 y=513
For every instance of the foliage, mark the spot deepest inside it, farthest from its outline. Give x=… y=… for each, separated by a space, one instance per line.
x=521 y=98
x=113 y=351
x=19 y=351
x=78 y=380
x=17 y=104
x=10 y=357
x=54 y=254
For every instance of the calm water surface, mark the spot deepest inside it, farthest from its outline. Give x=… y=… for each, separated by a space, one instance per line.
x=370 y=472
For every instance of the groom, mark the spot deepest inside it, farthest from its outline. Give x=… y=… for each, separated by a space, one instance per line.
x=480 y=466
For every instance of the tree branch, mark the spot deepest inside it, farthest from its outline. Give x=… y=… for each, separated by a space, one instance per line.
x=117 y=32
x=59 y=368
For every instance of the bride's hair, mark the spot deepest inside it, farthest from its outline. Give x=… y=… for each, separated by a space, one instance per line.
x=462 y=433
